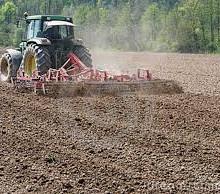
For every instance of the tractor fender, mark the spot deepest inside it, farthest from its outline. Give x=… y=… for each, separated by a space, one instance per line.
x=39 y=41
x=16 y=57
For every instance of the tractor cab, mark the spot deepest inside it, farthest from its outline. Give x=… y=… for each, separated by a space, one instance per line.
x=57 y=30
x=50 y=27
x=47 y=43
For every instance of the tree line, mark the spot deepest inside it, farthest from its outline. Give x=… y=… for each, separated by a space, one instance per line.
x=135 y=25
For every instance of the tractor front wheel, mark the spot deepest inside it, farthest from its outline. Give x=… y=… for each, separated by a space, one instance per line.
x=36 y=60
x=8 y=70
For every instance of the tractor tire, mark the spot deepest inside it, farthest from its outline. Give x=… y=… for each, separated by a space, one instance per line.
x=8 y=70
x=83 y=54
x=38 y=57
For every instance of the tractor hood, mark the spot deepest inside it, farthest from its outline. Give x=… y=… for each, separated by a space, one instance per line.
x=58 y=23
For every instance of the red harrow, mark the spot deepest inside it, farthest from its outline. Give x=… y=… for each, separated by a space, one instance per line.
x=76 y=77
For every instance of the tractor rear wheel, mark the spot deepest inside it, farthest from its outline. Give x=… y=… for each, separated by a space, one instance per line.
x=83 y=54
x=8 y=70
x=36 y=59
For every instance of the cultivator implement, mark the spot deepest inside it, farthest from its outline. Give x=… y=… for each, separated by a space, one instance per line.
x=75 y=78
x=74 y=70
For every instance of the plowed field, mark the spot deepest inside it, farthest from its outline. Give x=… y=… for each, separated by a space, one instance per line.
x=126 y=144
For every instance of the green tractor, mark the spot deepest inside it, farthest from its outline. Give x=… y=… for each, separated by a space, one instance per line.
x=47 y=41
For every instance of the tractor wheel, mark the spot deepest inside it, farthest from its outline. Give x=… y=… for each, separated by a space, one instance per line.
x=83 y=54
x=8 y=70
x=36 y=58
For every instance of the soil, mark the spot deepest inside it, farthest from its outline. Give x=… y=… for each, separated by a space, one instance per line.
x=116 y=144
x=197 y=73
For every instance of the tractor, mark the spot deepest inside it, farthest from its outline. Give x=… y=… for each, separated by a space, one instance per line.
x=51 y=59
x=46 y=43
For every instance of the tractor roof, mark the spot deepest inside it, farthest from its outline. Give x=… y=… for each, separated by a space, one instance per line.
x=58 y=23
x=49 y=18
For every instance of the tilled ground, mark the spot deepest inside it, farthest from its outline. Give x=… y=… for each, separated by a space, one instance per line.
x=127 y=144
x=197 y=73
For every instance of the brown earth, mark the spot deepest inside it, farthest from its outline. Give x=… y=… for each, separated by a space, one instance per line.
x=127 y=144
x=197 y=73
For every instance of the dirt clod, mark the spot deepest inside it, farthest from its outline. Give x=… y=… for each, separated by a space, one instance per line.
x=81 y=181
x=2 y=168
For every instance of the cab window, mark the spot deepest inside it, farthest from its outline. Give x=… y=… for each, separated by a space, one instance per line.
x=63 y=32
x=33 y=28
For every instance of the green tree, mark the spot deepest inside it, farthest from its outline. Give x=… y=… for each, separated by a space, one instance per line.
x=8 y=12
x=7 y=18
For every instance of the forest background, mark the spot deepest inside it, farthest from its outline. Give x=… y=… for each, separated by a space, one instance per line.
x=190 y=26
